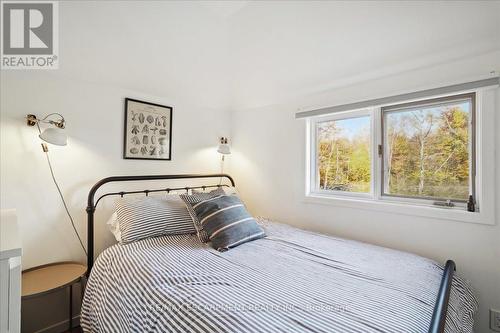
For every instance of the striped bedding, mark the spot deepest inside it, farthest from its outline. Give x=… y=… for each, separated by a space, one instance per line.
x=290 y=281
x=152 y=216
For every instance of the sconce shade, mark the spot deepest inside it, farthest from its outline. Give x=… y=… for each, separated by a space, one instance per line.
x=224 y=149
x=55 y=136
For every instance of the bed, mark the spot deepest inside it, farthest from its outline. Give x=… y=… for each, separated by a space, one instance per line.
x=290 y=281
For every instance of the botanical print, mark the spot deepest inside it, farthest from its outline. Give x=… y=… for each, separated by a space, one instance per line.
x=148 y=130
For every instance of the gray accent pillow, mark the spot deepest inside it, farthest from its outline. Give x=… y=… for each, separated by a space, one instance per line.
x=227 y=222
x=152 y=216
x=195 y=198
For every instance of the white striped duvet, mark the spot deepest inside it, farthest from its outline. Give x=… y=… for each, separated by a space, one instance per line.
x=290 y=281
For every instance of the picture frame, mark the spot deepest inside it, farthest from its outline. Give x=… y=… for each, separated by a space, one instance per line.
x=147 y=131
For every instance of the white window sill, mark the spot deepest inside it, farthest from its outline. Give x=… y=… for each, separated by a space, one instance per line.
x=392 y=207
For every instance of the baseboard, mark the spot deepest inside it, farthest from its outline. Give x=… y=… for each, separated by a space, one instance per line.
x=61 y=326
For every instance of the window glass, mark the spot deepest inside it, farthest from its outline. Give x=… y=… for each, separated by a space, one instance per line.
x=343 y=155
x=428 y=149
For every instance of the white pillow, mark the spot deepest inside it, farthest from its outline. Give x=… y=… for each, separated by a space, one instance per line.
x=231 y=191
x=114 y=226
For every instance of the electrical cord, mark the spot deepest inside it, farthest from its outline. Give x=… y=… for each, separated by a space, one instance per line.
x=221 y=169
x=45 y=150
x=64 y=203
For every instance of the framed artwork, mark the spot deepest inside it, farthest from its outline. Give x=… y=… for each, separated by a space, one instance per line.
x=148 y=131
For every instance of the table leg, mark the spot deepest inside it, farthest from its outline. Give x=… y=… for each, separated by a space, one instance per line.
x=70 y=307
x=83 y=284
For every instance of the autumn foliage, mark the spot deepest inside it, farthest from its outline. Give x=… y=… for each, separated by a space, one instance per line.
x=426 y=153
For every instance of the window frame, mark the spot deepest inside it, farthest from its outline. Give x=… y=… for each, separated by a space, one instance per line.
x=313 y=157
x=486 y=103
x=471 y=146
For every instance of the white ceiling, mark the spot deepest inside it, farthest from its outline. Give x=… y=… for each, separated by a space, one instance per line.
x=249 y=53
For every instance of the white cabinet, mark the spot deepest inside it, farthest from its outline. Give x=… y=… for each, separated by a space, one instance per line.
x=10 y=273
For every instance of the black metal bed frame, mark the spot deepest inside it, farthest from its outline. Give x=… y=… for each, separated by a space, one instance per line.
x=438 y=320
x=91 y=205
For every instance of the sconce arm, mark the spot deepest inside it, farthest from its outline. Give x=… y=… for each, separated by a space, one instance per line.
x=32 y=120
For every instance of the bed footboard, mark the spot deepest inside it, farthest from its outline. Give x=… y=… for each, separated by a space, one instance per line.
x=438 y=320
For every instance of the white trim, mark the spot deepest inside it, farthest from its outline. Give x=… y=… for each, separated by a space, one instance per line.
x=309 y=153
x=485 y=169
x=376 y=160
x=386 y=206
x=485 y=152
x=404 y=107
x=311 y=133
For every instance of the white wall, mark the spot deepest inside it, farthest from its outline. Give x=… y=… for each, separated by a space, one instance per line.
x=165 y=52
x=173 y=53
x=269 y=166
x=94 y=115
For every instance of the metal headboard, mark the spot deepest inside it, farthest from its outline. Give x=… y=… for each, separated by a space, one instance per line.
x=438 y=320
x=92 y=204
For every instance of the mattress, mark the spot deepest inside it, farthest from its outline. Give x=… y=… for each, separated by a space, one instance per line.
x=291 y=281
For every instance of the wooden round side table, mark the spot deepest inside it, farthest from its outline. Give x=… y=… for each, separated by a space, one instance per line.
x=44 y=279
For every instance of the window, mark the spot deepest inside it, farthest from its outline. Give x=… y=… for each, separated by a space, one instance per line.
x=419 y=153
x=343 y=158
x=428 y=149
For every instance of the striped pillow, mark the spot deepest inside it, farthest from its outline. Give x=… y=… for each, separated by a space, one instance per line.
x=227 y=222
x=195 y=198
x=145 y=217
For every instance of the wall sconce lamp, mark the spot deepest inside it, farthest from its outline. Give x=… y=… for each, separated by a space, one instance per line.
x=54 y=135
x=223 y=148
